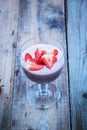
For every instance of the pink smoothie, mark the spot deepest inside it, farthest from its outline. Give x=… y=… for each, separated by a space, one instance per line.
x=45 y=74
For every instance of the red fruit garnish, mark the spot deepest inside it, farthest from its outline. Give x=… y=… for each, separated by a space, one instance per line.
x=42 y=57
x=38 y=53
x=33 y=60
x=28 y=57
x=49 y=60
x=34 y=66
x=44 y=52
x=55 y=52
x=40 y=61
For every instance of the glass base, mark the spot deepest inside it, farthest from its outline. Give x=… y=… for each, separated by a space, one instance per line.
x=44 y=98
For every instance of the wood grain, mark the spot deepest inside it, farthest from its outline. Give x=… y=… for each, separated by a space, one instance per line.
x=8 y=38
x=77 y=44
x=34 y=22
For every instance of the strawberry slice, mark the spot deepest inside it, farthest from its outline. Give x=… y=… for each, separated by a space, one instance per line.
x=38 y=53
x=28 y=57
x=40 y=61
x=33 y=60
x=49 y=60
x=44 y=52
x=55 y=52
x=34 y=66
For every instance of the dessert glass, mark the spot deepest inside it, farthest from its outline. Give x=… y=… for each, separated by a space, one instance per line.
x=42 y=94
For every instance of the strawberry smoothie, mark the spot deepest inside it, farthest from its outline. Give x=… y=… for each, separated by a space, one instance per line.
x=42 y=62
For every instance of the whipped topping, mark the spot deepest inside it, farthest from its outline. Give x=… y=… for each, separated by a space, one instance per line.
x=45 y=71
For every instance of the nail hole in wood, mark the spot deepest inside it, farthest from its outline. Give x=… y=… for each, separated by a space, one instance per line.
x=14 y=45
x=16 y=72
x=25 y=114
x=12 y=32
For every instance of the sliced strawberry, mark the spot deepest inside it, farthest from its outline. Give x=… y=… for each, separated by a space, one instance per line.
x=39 y=61
x=33 y=60
x=34 y=67
x=49 y=60
x=38 y=53
x=28 y=57
x=44 y=52
x=55 y=52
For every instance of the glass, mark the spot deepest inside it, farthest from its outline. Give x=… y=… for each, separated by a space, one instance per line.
x=43 y=94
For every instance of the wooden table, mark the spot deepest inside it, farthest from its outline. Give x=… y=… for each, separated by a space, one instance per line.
x=65 y=21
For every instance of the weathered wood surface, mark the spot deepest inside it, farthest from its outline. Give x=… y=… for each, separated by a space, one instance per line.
x=8 y=37
x=77 y=53
x=15 y=112
x=33 y=24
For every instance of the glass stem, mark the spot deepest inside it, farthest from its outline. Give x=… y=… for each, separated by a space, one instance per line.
x=43 y=89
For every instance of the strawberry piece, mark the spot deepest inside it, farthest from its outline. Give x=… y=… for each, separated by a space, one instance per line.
x=28 y=57
x=49 y=60
x=55 y=52
x=40 y=61
x=33 y=60
x=34 y=67
x=44 y=52
x=38 y=53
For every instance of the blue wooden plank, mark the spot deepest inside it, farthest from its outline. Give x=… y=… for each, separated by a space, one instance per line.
x=44 y=27
x=8 y=38
x=77 y=53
